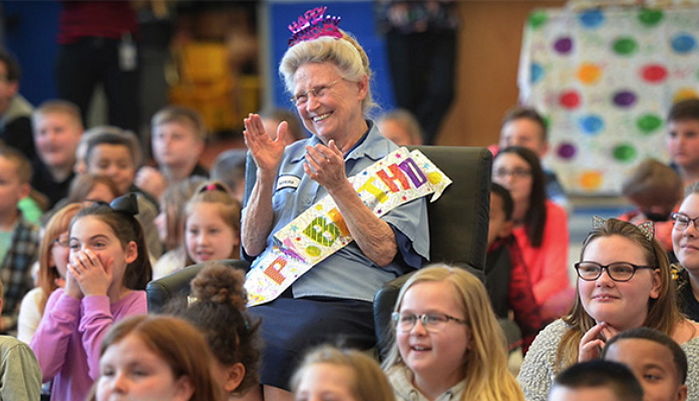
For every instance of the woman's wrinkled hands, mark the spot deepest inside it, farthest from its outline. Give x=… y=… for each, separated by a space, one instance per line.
x=92 y=274
x=266 y=152
x=593 y=341
x=325 y=165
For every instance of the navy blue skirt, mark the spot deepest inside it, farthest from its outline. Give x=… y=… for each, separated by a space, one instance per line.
x=291 y=326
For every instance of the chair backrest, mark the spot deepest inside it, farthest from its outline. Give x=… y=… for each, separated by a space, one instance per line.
x=459 y=219
x=458 y=224
x=160 y=291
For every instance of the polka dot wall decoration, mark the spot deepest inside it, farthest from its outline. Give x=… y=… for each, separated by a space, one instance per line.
x=604 y=80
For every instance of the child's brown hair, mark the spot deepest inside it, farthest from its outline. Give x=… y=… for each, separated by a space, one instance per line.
x=653 y=183
x=126 y=228
x=173 y=203
x=83 y=184
x=22 y=165
x=182 y=115
x=219 y=311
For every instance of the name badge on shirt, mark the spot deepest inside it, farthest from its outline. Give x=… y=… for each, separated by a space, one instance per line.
x=288 y=181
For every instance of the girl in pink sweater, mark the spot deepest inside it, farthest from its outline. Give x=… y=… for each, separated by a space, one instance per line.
x=541 y=229
x=107 y=273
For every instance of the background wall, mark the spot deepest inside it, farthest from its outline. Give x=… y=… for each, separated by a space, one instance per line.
x=489 y=46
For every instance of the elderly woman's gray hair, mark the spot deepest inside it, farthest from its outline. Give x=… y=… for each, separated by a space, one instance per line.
x=349 y=57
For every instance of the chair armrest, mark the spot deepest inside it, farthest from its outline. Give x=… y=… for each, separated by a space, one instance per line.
x=161 y=291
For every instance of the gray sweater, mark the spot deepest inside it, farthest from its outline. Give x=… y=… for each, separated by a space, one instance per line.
x=537 y=372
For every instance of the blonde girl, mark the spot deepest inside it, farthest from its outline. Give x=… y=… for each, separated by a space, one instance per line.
x=340 y=374
x=447 y=339
x=107 y=273
x=53 y=259
x=212 y=224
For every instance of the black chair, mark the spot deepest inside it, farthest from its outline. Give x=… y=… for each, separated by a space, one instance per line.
x=458 y=224
x=159 y=292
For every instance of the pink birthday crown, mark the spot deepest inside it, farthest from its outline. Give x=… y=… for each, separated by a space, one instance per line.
x=314 y=24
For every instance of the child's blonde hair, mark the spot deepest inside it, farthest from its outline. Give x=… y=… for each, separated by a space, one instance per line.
x=485 y=364
x=229 y=208
x=181 y=115
x=368 y=381
x=58 y=106
x=48 y=273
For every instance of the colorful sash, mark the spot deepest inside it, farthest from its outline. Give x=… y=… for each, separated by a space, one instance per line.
x=320 y=230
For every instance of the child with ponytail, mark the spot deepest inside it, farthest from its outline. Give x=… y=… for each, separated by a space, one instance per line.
x=107 y=273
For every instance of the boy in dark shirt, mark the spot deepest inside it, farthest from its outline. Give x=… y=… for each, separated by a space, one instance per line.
x=506 y=277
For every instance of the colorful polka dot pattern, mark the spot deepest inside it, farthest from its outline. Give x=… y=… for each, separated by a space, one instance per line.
x=604 y=79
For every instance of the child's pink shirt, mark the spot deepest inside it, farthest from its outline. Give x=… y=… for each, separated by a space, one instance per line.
x=547 y=264
x=67 y=342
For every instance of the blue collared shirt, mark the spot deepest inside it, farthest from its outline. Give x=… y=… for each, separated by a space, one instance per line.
x=348 y=273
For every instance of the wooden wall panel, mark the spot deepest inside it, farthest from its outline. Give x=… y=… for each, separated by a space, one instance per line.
x=486 y=82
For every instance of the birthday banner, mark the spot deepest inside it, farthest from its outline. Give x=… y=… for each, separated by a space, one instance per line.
x=604 y=79
x=320 y=231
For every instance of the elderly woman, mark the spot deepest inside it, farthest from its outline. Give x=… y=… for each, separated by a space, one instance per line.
x=328 y=77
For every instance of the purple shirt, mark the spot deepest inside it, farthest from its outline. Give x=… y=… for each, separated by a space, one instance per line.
x=67 y=342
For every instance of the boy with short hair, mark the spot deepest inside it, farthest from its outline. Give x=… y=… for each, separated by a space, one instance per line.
x=178 y=135
x=683 y=139
x=596 y=381
x=20 y=375
x=19 y=239
x=506 y=277
x=524 y=126
x=113 y=153
x=657 y=361
x=57 y=131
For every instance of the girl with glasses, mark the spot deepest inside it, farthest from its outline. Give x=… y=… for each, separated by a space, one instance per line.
x=540 y=228
x=624 y=282
x=685 y=243
x=448 y=341
x=53 y=259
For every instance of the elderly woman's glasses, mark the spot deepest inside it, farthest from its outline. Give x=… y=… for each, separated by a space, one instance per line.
x=433 y=322
x=682 y=221
x=618 y=271
x=317 y=92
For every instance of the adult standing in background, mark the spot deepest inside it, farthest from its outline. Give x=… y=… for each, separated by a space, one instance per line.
x=97 y=45
x=421 y=44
